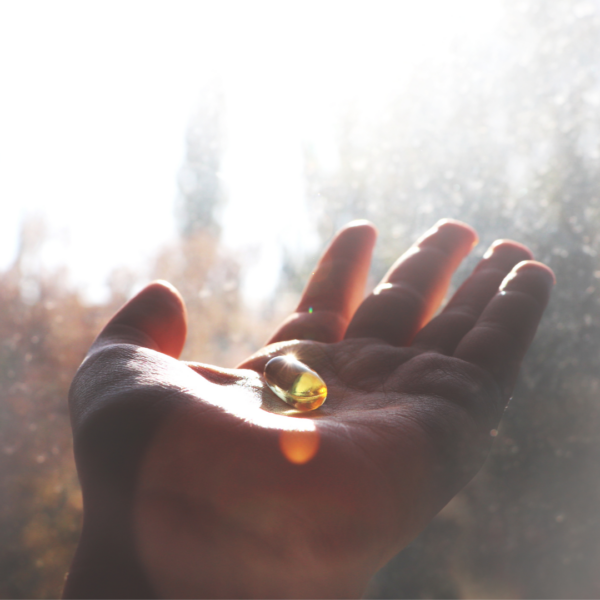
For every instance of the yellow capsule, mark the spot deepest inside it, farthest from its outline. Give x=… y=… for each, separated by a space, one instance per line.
x=295 y=383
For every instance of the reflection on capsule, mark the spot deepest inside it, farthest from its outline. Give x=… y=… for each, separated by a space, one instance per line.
x=295 y=383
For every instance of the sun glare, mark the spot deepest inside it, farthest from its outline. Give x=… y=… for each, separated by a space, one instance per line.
x=299 y=446
x=301 y=67
x=107 y=139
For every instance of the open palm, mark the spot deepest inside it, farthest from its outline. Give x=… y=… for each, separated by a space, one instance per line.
x=199 y=481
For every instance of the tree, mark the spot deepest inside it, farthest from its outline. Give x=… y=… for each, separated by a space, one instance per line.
x=200 y=190
x=44 y=331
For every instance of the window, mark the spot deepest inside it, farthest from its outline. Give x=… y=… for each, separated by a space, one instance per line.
x=484 y=112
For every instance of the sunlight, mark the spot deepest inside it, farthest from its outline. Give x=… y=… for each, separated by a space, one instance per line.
x=107 y=139
x=239 y=392
x=292 y=83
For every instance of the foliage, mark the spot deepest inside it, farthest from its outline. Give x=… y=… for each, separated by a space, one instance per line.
x=44 y=332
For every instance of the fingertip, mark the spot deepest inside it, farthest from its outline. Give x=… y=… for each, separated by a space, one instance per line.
x=161 y=291
x=519 y=252
x=156 y=312
x=359 y=231
x=534 y=268
x=450 y=233
x=542 y=270
x=532 y=277
x=457 y=223
x=162 y=283
x=335 y=288
x=353 y=242
x=361 y=223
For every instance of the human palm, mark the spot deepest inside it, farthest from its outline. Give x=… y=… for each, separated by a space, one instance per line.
x=199 y=481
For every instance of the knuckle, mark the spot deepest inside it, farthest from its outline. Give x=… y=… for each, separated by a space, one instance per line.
x=401 y=291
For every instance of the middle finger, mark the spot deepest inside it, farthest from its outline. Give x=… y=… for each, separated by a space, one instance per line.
x=414 y=287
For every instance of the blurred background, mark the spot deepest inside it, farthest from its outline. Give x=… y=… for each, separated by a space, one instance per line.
x=219 y=145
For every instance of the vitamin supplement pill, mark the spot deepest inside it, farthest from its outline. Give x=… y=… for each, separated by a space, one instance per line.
x=295 y=383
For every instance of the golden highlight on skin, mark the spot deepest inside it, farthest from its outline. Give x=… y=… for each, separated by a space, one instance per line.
x=295 y=383
x=299 y=446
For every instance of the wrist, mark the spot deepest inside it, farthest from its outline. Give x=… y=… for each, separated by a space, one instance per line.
x=105 y=565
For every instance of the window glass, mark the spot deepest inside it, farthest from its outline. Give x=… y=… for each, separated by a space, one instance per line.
x=484 y=112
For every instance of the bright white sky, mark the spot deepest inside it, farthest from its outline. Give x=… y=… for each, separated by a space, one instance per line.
x=96 y=96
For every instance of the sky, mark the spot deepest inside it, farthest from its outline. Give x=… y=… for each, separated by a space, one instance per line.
x=96 y=98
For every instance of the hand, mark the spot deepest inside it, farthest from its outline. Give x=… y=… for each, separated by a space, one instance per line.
x=199 y=481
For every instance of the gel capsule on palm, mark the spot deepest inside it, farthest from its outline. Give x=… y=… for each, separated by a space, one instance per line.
x=295 y=383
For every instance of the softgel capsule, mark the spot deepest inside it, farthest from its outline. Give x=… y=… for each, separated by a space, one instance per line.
x=295 y=383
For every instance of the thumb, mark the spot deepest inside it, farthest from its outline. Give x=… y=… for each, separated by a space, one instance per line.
x=155 y=318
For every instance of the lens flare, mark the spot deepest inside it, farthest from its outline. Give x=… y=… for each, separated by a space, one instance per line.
x=299 y=446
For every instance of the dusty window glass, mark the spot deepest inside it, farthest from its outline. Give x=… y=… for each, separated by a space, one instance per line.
x=504 y=134
x=508 y=141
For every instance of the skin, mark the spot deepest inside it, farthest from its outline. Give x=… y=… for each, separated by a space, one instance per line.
x=199 y=482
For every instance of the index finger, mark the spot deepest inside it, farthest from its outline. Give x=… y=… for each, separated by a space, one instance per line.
x=335 y=288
